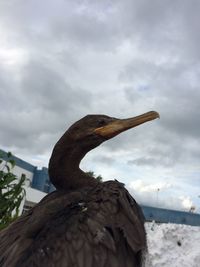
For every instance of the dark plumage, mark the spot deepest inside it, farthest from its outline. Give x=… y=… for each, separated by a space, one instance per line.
x=84 y=223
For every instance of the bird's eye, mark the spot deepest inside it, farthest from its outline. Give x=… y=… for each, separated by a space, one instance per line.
x=101 y=123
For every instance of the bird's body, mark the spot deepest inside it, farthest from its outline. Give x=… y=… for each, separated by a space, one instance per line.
x=84 y=223
x=99 y=226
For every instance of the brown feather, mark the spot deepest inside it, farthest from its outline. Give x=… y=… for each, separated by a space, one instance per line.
x=77 y=234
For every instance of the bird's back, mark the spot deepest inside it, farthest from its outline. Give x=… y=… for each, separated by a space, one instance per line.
x=101 y=227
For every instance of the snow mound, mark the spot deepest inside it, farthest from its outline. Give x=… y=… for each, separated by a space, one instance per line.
x=172 y=245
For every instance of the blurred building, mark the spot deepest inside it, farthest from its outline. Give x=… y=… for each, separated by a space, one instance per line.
x=37 y=181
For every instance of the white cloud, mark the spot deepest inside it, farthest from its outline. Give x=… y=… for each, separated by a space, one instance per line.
x=186 y=202
x=14 y=56
x=141 y=186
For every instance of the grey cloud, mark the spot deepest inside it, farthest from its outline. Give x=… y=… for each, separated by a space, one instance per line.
x=165 y=161
x=86 y=31
x=74 y=24
x=42 y=103
x=174 y=92
x=163 y=26
x=152 y=25
x=106 y=160
x=48 y=89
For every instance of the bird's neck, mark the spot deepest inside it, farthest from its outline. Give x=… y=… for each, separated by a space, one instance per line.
x=64 y=171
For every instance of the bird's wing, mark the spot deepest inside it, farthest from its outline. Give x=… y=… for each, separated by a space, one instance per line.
x=21 y=234
x=118 y=210
x=101 y=229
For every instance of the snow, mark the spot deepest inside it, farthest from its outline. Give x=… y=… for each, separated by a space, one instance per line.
x=172 y=245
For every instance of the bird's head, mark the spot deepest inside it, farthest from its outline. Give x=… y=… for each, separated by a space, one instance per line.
x=81 y=137
x=92 y=130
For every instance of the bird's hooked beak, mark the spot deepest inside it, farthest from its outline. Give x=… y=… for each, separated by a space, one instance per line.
x=120 y=125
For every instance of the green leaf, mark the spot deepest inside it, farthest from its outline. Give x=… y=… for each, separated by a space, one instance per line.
x=11 y=192
x=7 y=167
x=9 y=154
x=12 y=162
x=8 y=178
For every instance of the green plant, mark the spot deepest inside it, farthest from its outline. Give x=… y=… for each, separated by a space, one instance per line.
x=11 y=191
x=99 y=177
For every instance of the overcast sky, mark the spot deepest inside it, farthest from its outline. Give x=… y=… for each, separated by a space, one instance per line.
x=61 y=60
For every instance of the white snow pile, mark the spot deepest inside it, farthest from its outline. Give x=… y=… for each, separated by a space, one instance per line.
x=172 y=245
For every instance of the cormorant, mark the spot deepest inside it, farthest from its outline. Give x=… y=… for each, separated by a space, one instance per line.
x=84 y=223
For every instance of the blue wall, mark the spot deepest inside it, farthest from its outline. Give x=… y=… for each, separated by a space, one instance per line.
x=40 y=177
x=41 y=181
x=18 y=162
x=172 y=216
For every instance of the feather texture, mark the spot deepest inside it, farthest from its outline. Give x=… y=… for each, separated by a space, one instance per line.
x=100 y=226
